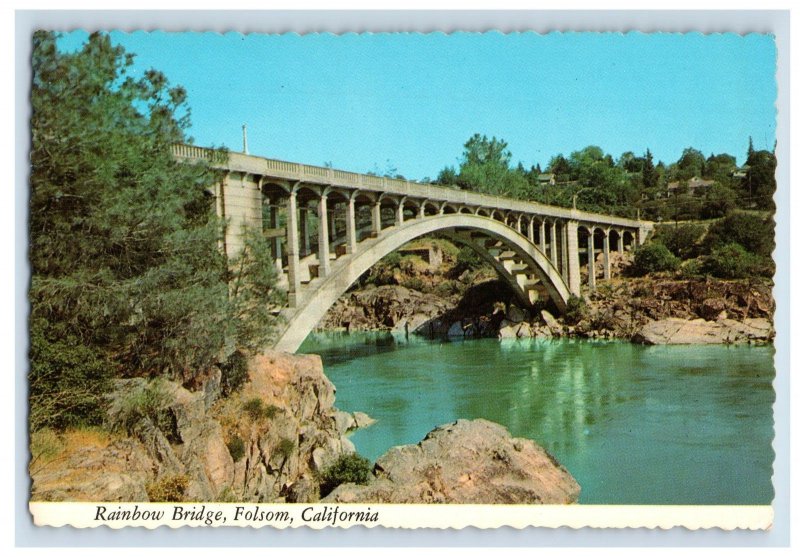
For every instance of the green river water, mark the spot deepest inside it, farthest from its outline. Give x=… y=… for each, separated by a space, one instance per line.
x=633 y=424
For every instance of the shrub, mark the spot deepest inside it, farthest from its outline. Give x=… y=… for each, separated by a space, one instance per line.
x=236 y=448
x=653 y=257
x=137 y=401
x=234 y=373
x=285 y=447
x=733 y=261
x=257 y=410
x=683 y=240
x=576 y=310
x=169 y=489
x=692 y=268
x=348 y=468
x=755 y=234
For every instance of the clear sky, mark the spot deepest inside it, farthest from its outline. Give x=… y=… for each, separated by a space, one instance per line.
x=410 y=101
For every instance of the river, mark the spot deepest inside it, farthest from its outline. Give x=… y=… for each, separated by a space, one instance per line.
x=633 y=424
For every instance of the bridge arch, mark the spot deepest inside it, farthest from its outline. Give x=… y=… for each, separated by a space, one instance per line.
x=312 y=307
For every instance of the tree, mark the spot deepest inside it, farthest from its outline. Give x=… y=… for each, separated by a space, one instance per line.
x=754 y=233
x=649 y=173
x=653 y=257
x=486 y=168
x=692 y=163
x=760 y=179
x=127 y=278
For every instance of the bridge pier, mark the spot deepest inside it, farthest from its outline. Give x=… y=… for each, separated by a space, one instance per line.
x=350 y=223
x=542 y=239
x=376 y=219
x=607 y=255
x=590 y=252
x=323 y=242
x=553 y=246
x=574 y=260
x=293 y=249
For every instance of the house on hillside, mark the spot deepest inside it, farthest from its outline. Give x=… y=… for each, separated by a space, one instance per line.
x=548 y=179
x=694 y=186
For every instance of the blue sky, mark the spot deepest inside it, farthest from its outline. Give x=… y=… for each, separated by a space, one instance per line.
x=410 y=101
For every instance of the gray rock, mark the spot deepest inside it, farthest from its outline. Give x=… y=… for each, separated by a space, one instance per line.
x=455 y=330
x=550 y=321
x=699 y=331
x=362 y=420
x=515 y=315
x=344 y=421
x=469 y=461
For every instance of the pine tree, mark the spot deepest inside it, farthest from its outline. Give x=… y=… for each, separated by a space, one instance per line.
x=127 y=278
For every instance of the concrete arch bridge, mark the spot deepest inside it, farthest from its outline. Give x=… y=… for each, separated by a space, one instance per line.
x=328 y=226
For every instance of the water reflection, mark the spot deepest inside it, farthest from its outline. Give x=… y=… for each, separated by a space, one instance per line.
x=668 y=425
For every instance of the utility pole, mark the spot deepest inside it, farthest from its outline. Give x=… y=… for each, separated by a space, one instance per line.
x=244 y=139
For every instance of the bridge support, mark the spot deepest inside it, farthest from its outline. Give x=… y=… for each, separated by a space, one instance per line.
x=574 y=260
x=553 y=246
x=293 y=249
x=351 y=225
x=376 y=219
x=607 y=255
x=323 y=242
x=542 y=237
x=590 y=252
x=564 y=253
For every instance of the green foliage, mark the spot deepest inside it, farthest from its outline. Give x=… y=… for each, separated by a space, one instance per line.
x=732 y=261
x=653 y=257
x=285 y=447
x=67 y=380
x=139 y=400
x=236 y=448
x=348 y=468
x=683 y=240
x=258 y=411
x=168 y=489
x=752 y=232
x=691 y=269
x=127 y=277
x=576 y=311
x=760 y=183
x=234 y=373
x=719 y=201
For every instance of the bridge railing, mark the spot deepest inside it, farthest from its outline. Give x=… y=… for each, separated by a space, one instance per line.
x=240 y=162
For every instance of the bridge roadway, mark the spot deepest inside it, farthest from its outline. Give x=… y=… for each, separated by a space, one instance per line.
x=357 y=219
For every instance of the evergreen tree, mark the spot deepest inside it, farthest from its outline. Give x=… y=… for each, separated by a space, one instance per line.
x=127 y=278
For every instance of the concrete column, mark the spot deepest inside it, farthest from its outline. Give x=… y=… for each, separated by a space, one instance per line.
x=542 y=237
x=519 y=224
x=398 y=219
x=332 y=222
x=305 y=247
x=553 y=245
x=573 y=261
x=590 y=252
x=564 y=253
x=607 y=256
x=293 y=249
x=376 y=219
x=323 y=243
x=274 y=222
x=351 y=225
x=641 y=236
x=620 y=243
x=531 y=230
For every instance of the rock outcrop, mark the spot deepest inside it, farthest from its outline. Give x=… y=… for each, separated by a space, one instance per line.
x=469 y=461
x=264 y=443
x=674 y=330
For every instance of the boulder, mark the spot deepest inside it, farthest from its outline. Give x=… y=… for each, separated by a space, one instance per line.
x=344 y=421
x=675 y=330
x=524 y=330
x=507 y=329
x=550 y=321
x=468 y=462
x=712 y=308
x=362 y=420
x=515 y=315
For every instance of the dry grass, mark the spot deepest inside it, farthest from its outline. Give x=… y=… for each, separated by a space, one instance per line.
x=48 y=447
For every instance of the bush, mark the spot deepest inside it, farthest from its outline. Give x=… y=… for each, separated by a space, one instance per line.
x=236 y=448
x=234 y=373
x=169 y=489
x=257 y=410
x=285 y=447
x=653 y=257
x=755 y=234
x=681 y=241
x=576 y=310
x=137 y=401
x=348 y=468
x=692 y=268
x=733 y=261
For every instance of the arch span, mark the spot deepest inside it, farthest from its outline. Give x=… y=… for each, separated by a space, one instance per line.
x=517 y=254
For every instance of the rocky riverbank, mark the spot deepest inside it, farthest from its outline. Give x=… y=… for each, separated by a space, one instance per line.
x=271 y=442
x=646 y=310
